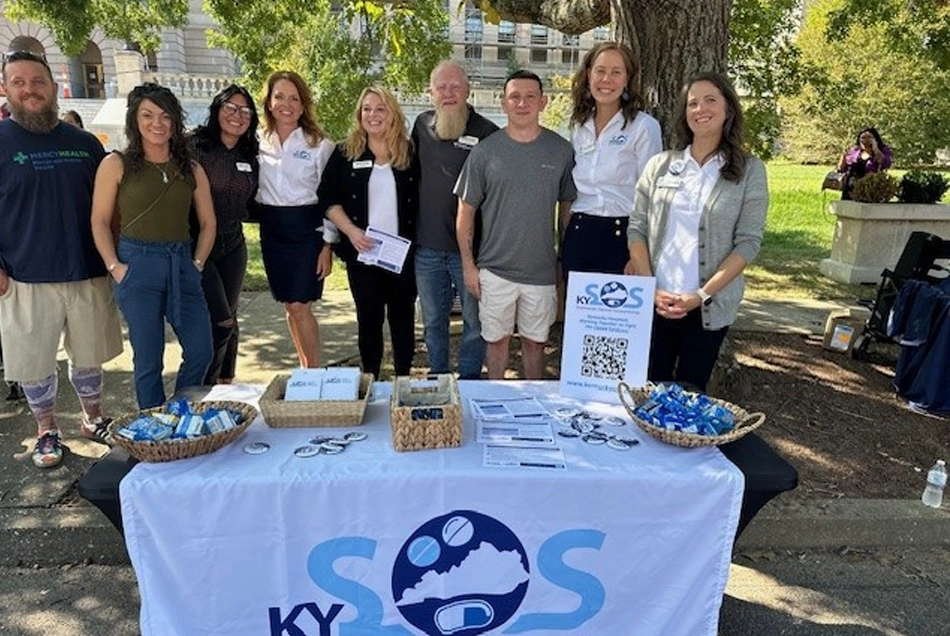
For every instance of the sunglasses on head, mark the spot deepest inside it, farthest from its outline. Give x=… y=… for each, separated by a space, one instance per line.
x=24 y=56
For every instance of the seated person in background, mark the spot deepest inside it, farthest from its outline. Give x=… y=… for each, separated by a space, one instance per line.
x=870 y=154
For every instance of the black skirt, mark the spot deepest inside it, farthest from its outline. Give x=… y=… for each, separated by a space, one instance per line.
x=291 y=240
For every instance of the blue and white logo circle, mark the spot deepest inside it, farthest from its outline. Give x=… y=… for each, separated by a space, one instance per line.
x=613 y=294
x=463 y=573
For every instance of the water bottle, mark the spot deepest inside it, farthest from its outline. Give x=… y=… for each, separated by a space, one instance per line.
x=936 y=481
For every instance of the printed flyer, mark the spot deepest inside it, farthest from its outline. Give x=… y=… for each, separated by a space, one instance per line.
x=607 y=323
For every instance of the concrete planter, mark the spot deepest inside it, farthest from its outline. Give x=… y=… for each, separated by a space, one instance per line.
x=870 y=237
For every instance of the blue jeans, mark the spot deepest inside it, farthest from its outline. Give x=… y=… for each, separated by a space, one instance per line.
x=163 y=284
x=436 y=272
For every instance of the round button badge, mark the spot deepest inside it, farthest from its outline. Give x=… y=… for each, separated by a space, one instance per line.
x=307 y=451
x=256 y=448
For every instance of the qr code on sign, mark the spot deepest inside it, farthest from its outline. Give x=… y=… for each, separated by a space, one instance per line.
x=604 y=357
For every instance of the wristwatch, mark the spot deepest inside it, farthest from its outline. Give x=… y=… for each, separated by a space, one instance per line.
x=706 y=298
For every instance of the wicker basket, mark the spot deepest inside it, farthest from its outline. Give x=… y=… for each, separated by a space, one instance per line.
x=420 y=422
x=281 y=413
x=171 y=449
x=745 y=422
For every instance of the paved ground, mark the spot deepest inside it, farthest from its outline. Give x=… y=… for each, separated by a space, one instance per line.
x=63 y=565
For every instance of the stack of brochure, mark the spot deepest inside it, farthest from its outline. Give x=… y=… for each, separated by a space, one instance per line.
x=516 y=432
x=330 y=383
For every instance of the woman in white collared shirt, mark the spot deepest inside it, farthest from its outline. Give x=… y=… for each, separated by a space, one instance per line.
x=293 y=154
x=613 y=140
x=697 y=222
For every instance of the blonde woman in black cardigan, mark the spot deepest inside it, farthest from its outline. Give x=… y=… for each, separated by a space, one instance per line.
x=372 y=180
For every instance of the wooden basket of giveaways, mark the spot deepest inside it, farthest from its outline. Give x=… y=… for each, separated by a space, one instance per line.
x=745 y=422
x=170 y=449
x=281 y=413
x=426 y=415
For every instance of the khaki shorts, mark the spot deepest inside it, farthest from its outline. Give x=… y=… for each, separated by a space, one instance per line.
x=503 y=303
x=33 y=316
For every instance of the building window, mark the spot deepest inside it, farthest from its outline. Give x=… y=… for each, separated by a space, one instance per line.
x=473 y=52
x=601 y=33
x=505 y=53
x=474 y=24
x=570 y=56
x=539 y=35
x=506 y=32
x=570 y=40
x=539 y=56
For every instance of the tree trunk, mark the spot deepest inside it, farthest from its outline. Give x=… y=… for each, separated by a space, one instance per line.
x=673 y=38
x=673 y=41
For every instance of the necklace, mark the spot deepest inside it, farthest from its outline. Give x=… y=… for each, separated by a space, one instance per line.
x=162 y=168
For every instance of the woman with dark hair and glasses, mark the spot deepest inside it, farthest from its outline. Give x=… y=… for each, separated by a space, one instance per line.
x=151 y=188
x=226 y=147
x=613 y=139
x=696 y=224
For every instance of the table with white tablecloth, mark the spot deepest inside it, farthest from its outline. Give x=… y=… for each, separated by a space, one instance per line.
x=371 y=541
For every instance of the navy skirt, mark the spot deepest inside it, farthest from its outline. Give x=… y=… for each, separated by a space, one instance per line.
x=291 y=240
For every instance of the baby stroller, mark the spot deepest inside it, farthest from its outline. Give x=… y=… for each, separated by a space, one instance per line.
x=925 y=258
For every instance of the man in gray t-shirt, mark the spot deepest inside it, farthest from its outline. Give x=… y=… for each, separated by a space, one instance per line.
x=518 y=177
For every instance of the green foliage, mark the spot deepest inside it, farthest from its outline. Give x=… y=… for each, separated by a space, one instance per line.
x=72 y=21
x=860 y=81
x=922 y=186
x=340 y=48
x=764 y=59
x=918 y=28
x=556 y=114
x=877 y=187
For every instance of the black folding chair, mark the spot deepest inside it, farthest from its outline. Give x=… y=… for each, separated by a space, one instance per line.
x=924 y=258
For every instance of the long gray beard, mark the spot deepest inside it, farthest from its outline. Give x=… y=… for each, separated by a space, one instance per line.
x=41 y=122
x=450 y=124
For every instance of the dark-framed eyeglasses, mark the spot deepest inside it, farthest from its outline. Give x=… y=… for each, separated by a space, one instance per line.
x=24 y=56
x=230 y=110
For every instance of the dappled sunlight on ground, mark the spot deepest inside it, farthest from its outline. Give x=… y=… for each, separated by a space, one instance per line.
x=836 y=419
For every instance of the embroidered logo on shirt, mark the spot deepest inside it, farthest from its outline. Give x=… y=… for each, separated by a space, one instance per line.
x=302 y=154
x=617 y=140
x=20 y=158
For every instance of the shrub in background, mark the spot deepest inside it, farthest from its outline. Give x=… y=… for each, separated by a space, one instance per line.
x=922 y=186
x=877 y=187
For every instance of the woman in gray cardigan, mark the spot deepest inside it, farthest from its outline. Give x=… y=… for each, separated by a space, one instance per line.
x=697 y=223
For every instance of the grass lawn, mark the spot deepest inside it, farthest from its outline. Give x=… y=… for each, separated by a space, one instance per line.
x=798 y=235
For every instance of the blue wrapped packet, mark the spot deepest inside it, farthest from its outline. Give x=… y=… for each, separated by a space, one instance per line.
x=217 y=421
x=179 y=408
x=671 y=408
x=146 y=428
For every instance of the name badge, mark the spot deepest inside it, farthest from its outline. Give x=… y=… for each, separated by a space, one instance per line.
x=243 y=166
x=669 y=182
x=589 y=148
x=468 y=140
x=360 y=165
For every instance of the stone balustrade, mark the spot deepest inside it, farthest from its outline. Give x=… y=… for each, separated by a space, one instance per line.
x=184 y=86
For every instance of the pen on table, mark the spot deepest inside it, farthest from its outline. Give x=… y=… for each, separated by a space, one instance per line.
x=530 y=439
x=539 y=465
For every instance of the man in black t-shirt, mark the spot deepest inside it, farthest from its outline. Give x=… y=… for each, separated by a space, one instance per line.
x=443 y=137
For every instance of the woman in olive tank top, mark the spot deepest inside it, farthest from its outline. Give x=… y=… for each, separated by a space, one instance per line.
x=146 y=192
